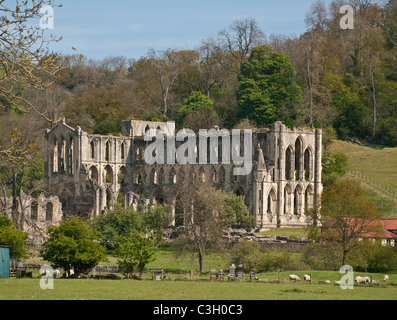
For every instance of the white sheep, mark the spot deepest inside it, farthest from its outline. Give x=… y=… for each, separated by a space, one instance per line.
x=376 y=282
x=57 y=273
x=306 y=277
x=359 y=280
x=294 y=277
x=325 y=281
x=386 y=278
x=366 y=279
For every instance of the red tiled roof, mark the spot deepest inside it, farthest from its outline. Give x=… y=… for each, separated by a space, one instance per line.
x=390 y=224
x=376 y=228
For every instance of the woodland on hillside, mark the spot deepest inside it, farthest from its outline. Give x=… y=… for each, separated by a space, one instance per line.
x=343 y=81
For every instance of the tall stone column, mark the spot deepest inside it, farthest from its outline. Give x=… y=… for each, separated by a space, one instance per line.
x=281 y=176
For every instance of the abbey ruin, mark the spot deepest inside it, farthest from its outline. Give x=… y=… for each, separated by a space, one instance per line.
x=92 y=173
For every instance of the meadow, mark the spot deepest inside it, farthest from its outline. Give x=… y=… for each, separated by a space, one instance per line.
x=182 y=287
x=199 y=289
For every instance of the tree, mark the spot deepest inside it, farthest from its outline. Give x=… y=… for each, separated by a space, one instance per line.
x=267 y=89
x=25 y=59
x=197 y=113
x=121 y=222
x=134 y=252
x=168 y=66
x=238 y=41
x=13 y=238
x=17 y=155
x=348 y=215
x=73 y=245
x=206 y=214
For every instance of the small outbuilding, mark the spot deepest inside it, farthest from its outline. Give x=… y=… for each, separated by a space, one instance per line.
x=4 y=262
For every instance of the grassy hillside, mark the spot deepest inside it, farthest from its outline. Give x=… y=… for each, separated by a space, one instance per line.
x=376 y=167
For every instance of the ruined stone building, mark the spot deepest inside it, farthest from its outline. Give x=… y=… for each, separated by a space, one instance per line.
x=92 y=173
x=33 y=215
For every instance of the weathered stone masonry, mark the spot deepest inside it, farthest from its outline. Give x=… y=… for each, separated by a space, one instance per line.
x=91 y=173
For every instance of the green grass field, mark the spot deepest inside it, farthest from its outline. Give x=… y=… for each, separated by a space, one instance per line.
x=180 y=287
x=379 y=166
x=89 y=289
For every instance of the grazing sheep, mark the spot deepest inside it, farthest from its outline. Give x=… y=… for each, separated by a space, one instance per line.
x=294 y=277
x=386 y=278
x=306 y=277
x=376 y=282
x=57 y=273
x=359 y=280
x=325 y=281
x=367 y=279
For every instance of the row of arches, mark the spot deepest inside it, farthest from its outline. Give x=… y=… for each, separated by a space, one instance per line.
x=63 y=155
x=298 y=162
x=296 y=201
x=108 y=155
x=34 y=211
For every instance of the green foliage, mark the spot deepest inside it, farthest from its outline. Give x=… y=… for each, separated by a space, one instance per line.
x=267 y=89
x=134 y=252
x=73 y=245
x=237 y=211
x=334 y=166
x=250 y=255
x=13 y=238
x=196 y=103
x=121 y=222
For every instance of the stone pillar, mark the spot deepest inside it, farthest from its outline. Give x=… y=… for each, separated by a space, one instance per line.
x=317 y=167
x=281 y=175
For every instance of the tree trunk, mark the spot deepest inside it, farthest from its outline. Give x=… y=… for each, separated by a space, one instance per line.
x=374 y=104
x=201 y=260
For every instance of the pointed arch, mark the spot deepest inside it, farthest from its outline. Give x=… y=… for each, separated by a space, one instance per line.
x=108 y=172
x=93 y=173
x=289 y=154
x=107 y=151
x=299 y=158
x=288 y=200
x=309 y=197
x=71 y=156
x=298 y=200
x=308 y=164
x=92 y=149
x=122 y=151
x=55 y=156
x=123 y=175
x=272 y=202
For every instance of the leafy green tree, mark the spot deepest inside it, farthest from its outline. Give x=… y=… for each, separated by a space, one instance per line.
x=237 y=211
x=196 y=104
x=347 y=215
x=207 y=211
x=267 y=89
x=122 y=222
x=73 y=245
x=13 y=238
x=334 y=166
x=134 y=252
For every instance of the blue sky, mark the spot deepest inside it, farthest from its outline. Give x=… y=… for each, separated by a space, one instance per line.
x=100 y=29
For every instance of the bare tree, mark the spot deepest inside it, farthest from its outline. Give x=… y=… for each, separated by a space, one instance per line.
x=25 y=58
x=239 y=39
x=168 y=66
x=205 y=216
